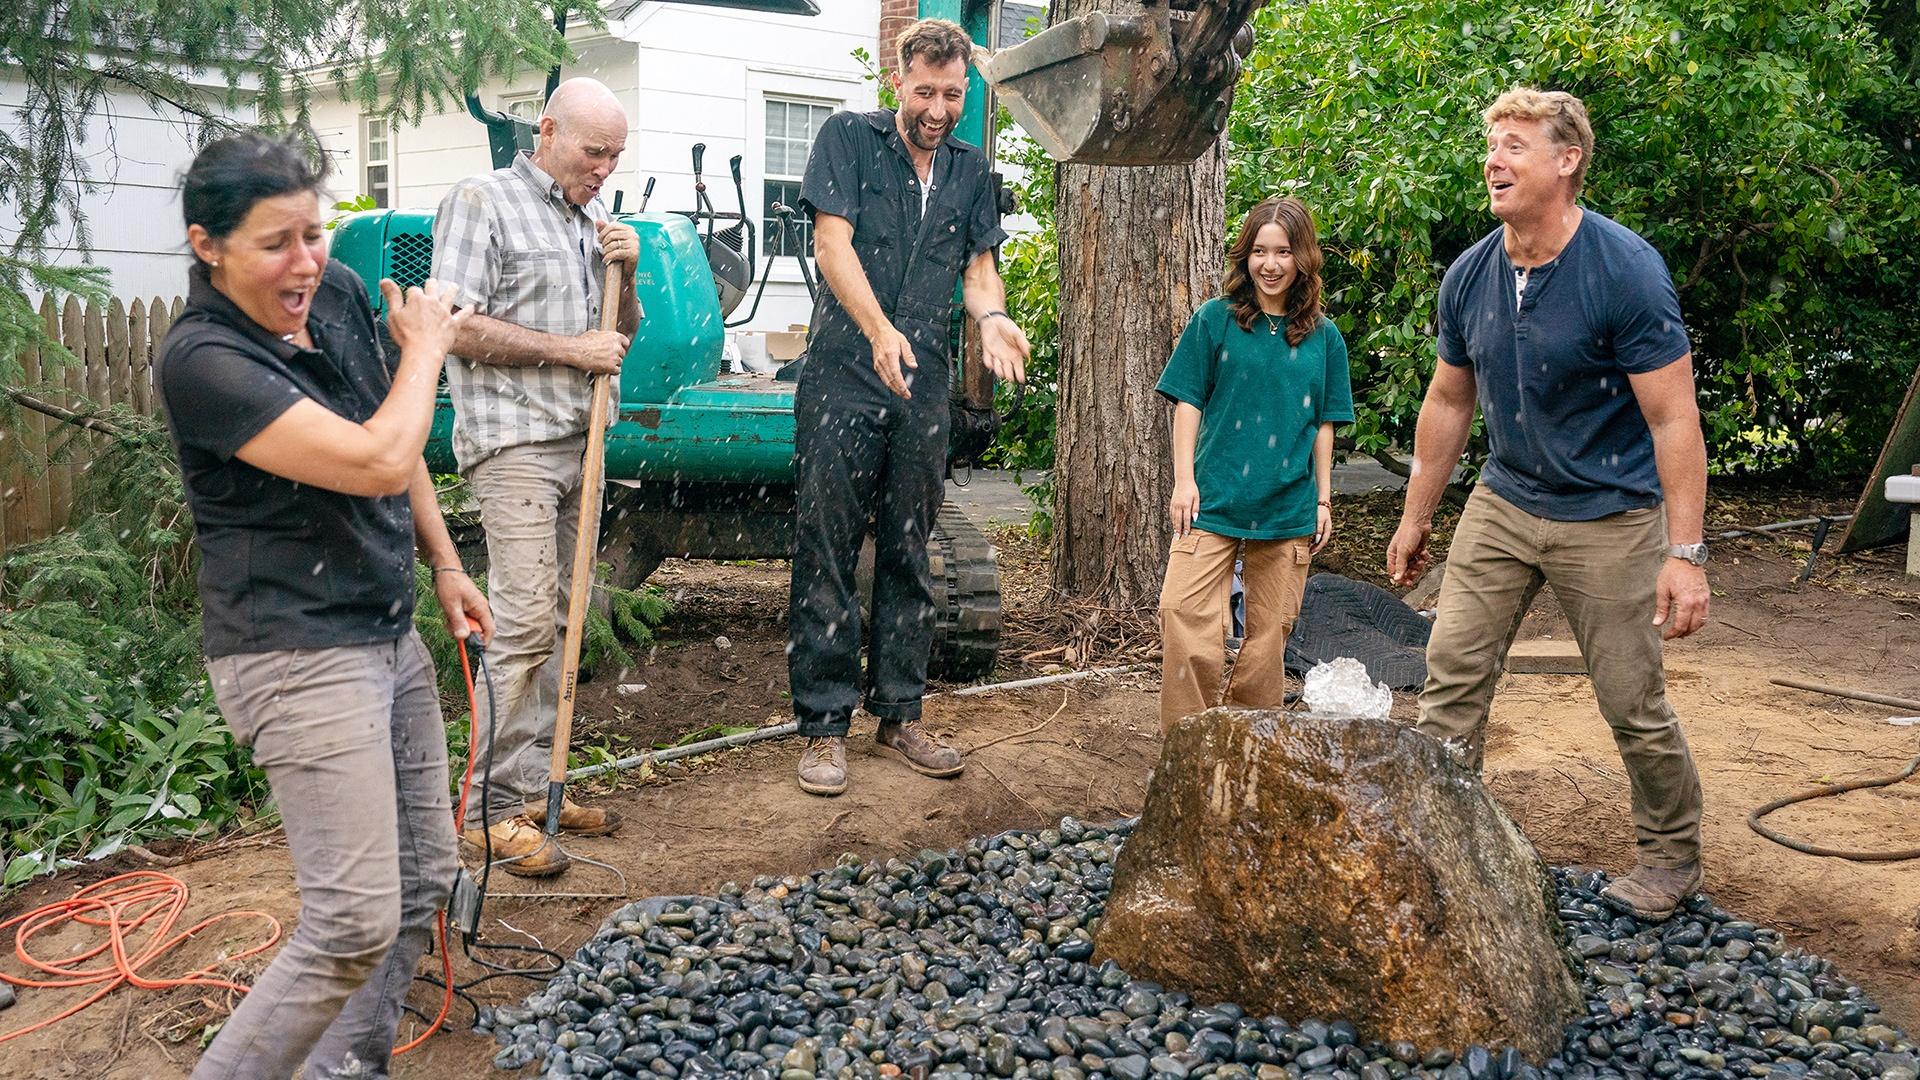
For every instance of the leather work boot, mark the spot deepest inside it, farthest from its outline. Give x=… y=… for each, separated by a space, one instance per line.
x=922 y=752
x=576 y=819
x=519 y=847
x=1653 y=892
x=823 y=766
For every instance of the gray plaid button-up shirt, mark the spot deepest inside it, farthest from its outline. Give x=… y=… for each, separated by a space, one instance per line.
x=518 y=251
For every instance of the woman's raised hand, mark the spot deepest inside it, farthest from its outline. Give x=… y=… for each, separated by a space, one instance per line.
x=423 y=317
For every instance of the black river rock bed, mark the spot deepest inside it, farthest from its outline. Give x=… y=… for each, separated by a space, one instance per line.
x=975 y=962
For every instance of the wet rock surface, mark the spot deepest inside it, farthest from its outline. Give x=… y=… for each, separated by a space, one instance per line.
x=1306 y=864
x=977 y=962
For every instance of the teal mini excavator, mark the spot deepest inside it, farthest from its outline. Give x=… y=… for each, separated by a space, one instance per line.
x=700 y=460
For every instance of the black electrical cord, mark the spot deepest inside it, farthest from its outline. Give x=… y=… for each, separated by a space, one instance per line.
x=470 y=939
x=1828 y=791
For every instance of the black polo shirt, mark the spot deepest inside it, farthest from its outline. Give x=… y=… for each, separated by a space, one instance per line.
x=283 y=565
x=858 y=169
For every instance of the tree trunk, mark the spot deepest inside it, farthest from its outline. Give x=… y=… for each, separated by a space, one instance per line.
x=1140 y=249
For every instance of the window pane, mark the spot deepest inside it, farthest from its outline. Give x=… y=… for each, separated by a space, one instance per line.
x=378 y=186
x=783 y=242
x=791 y=127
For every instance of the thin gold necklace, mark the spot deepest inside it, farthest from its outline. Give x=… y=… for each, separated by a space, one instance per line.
x=1273 y=325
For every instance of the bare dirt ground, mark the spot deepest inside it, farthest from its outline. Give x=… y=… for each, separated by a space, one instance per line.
x=1086 y=750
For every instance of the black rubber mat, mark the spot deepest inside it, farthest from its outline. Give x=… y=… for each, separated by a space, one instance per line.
x=1343 y=617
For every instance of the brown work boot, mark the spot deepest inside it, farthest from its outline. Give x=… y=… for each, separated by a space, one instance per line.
x=823 y=766
x=922 y=752
x=1653 y=892
x=576 y=819
x=519 y=847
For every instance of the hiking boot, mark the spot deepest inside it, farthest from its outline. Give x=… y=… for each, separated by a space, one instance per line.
x=922 y=752
x=823 y=766
x=1653 y=892
x=519 y=847
x=576 y=819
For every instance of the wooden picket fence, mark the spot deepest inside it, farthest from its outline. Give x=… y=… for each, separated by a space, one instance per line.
x=115 y=347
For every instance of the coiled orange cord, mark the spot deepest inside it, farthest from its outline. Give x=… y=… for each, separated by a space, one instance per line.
x=125 y=905
x=148 y=901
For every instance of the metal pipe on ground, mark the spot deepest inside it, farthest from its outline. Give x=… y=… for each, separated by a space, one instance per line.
x=1781 y=526
x=742 y=738
x=1840 y=691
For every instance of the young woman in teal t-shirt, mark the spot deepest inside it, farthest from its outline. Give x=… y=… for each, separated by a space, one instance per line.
x=1258 y=381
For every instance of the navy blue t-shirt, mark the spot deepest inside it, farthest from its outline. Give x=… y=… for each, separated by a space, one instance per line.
x=1566 y=436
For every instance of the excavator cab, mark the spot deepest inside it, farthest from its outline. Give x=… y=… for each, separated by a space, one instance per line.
x=1152 y=88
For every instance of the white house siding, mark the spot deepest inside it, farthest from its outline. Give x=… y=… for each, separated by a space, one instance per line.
x=686 y=75
x=135 y=156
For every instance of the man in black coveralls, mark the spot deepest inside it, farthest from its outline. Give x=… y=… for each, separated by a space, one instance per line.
x=901 y=211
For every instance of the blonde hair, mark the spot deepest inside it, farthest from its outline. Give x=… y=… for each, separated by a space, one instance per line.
x=1564 y=115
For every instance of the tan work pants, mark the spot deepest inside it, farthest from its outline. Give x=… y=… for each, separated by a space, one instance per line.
x=1604 y=574
x=529 y=498
x=1196 y=618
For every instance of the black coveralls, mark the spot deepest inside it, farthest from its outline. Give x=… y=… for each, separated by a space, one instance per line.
x=863 y=453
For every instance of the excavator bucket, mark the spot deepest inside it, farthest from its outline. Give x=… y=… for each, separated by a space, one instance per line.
x=1152 y=88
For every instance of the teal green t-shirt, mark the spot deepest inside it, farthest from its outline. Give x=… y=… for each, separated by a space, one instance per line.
x=1261 y=402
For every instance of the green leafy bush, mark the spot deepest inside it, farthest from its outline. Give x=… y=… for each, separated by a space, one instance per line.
x=108 y=733
x=1767 y=148
x=629 y=620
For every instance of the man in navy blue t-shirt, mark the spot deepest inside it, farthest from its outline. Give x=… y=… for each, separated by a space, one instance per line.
x=1565 y=329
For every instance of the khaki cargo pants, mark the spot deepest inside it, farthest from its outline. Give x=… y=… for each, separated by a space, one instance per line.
x=1196 y=618
x=1604 y=574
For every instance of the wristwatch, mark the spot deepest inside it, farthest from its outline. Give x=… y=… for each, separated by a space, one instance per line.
x=1693 y=553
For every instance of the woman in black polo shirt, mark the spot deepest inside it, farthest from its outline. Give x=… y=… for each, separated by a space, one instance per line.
x=300 y=449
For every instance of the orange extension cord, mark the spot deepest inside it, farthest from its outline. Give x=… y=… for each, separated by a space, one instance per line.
x=151 y=902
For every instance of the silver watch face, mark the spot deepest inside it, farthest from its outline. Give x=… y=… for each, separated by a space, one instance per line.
x=1693 y=553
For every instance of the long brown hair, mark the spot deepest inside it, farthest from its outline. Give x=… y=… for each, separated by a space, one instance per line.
x=1302 y=301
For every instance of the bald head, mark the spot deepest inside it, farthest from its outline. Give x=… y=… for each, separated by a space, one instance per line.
x=585 y=101
x=582 y=134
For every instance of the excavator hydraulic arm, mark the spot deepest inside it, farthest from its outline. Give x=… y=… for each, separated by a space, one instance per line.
x=1150 y=88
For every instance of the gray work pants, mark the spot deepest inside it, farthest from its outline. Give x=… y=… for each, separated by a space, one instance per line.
x=529 y=500
x=353 y=745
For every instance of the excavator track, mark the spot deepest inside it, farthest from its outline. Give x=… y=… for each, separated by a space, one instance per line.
x=966 y=597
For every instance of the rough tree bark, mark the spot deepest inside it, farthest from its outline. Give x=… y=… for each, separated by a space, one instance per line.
x=1140 y=249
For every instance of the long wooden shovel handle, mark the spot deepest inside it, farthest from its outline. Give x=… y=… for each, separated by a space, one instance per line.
x=585 y=543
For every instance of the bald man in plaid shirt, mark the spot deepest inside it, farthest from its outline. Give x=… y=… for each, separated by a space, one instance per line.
x=527 y=247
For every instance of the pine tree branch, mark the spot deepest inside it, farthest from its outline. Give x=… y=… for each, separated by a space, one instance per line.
x=67 y=416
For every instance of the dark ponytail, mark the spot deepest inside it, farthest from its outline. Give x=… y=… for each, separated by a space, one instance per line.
x=230 y=175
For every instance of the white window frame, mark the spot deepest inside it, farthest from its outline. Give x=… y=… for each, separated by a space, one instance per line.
x=833 y=89
x=509 y=101
x=368 y=126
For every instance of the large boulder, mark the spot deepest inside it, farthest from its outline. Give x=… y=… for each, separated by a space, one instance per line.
x=1304 y=865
